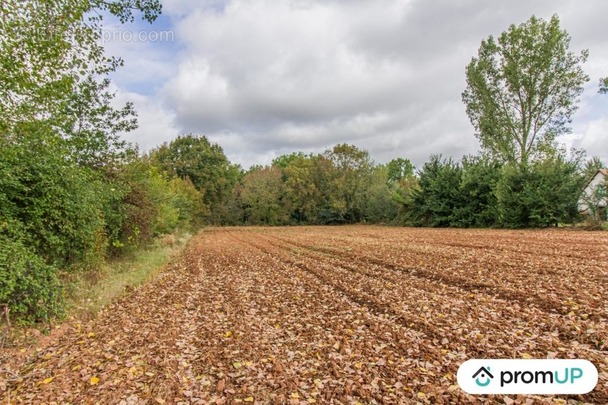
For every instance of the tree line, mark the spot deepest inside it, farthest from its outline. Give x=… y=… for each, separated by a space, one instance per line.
x=343 y=185
x=73 y=193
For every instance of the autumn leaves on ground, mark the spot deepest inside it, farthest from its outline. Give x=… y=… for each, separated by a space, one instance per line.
x=341 y=315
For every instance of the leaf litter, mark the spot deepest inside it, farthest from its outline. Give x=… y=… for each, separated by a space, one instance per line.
x=343 y=315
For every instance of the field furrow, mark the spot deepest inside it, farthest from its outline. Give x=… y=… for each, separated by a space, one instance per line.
x=336 y=315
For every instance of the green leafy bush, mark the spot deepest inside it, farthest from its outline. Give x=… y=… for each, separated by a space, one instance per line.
x=28 y=285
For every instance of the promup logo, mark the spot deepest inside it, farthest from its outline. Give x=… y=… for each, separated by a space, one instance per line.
x=483 y=374
x=548 y=376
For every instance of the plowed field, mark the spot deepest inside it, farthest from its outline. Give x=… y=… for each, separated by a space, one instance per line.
x=340 y=315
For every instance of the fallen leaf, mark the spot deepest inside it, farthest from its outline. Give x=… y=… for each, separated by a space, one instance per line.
x=48 y=380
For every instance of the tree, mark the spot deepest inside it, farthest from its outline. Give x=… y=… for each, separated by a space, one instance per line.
x=49 y=49
x=544 y=193
x=58 y=127
x=380 y=205
x=592 y=166
x=350 y=179
x=399 y=169
x=402 y=183
x=204 y=163
x=434 y=201
x=603 y=86
x=306 y=187
x=124 y=9
x=262 y=197
x=476 y=197
x=284 y=160
x=522 y=89
x=91 y=126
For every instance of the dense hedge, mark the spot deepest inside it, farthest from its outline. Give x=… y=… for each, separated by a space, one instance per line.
x=59 y=216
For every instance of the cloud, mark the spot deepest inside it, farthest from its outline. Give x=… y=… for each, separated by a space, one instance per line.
x=156 y=122
x=263 y=77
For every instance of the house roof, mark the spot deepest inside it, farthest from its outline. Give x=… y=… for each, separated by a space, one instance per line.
x=483 y=370
x=604 y=173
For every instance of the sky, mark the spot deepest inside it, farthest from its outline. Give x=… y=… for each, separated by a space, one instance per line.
x=263 y=78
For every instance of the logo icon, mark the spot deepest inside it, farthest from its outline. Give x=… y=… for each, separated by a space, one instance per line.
x=484 y=374
x=527 y=376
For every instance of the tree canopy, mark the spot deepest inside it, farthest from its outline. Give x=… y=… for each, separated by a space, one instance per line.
x=522 y=89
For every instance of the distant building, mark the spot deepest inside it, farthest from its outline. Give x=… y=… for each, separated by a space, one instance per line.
x=595 y=195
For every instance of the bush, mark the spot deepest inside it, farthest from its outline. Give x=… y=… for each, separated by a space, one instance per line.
x=540 y=195
x=28 y=286
x=58 y=203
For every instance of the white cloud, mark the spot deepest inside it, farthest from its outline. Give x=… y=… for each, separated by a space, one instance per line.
x=593 y=138
x=263 y=77
x=156 y=122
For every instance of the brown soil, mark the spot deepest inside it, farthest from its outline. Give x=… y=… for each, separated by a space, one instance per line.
x=342 y=315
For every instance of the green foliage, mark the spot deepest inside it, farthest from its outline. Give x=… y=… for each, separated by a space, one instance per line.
x=28 y=286
x=57 y=202
x=540 y=195
x=205 y=165
x=433 y=204
x=398 y=170
x=349 y=178
x=592 y=166
x=603 y=86
x=522 y=89
x=284 y=160
x=91 y=126
x=188 y=202
x=63 y=196
x=150 y=204
x=49 y=51
x=262 y=197
x=306 y=187
x=476 y=198
x=380 y=206
x=124 y=9
x=402 y=183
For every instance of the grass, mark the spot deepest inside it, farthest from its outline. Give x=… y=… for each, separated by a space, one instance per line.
x=95 y=290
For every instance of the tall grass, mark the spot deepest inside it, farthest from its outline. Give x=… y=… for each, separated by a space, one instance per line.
x=97 y=289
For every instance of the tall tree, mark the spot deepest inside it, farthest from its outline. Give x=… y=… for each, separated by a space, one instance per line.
x=402 y=182
x=522 y=89
x=262 y=196
x=306 y=187
x=399 y=169
x=48 y=49
x=350 y=180
x=204 y=163
x=380 y=205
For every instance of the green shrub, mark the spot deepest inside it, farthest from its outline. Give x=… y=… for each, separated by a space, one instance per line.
x=58 y=203
x=28 y=285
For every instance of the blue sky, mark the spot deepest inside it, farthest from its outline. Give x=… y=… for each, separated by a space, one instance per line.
x=263 y=77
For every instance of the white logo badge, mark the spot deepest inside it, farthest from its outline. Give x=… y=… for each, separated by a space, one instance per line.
x=512 y=376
